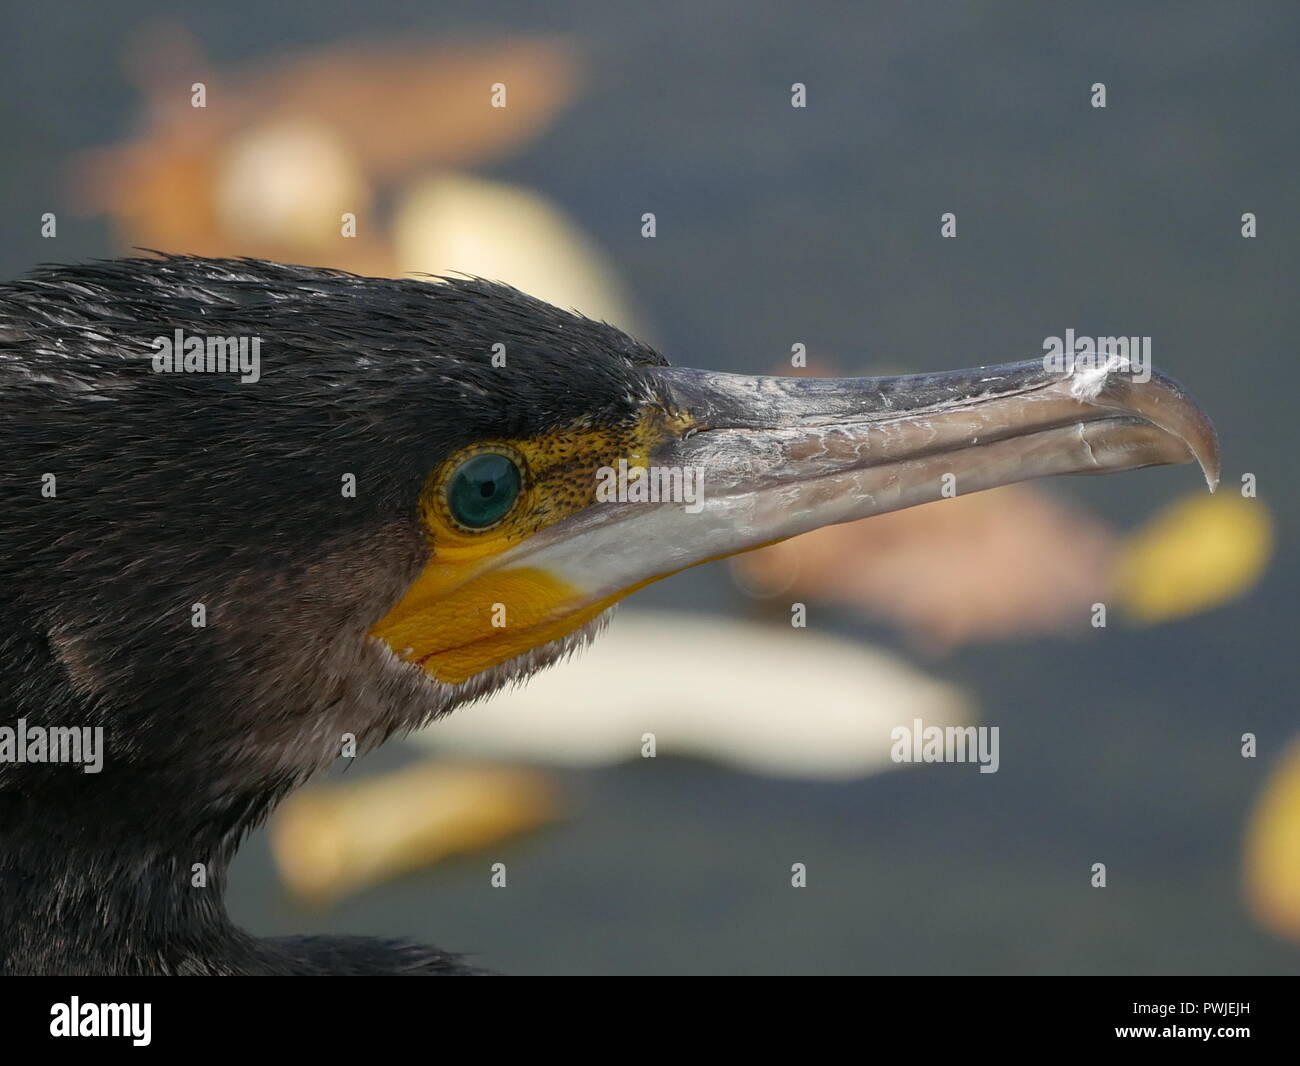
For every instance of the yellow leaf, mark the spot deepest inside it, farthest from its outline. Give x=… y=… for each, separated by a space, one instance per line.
x=1198 y=553
x=1272 y=856
x=335 y=839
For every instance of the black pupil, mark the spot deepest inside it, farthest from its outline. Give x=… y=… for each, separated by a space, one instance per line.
x=483 y=490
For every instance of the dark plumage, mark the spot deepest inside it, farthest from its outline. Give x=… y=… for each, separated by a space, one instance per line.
x=175 y=489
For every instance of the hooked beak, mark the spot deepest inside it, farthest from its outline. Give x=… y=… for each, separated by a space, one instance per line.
x=740 y=462
x=768 y=458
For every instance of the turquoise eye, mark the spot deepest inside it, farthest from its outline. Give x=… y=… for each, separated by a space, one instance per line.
x=483 y=490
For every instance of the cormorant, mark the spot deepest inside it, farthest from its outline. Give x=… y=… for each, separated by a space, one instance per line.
x=232 y=573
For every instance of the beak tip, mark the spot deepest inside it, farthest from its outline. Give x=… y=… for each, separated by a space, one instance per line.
x=1209 y=457
x=1167 y=405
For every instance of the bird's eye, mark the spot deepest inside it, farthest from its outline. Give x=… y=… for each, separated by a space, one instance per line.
x=483 y=489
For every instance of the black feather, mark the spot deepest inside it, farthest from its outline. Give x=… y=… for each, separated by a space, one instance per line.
x=175 y=489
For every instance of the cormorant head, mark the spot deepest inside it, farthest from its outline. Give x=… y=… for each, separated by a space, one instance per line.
x=421 y=492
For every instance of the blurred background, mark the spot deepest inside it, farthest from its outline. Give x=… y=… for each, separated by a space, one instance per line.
x=779 y=226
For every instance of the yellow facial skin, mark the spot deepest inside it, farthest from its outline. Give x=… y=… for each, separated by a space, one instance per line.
x=460 y=616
